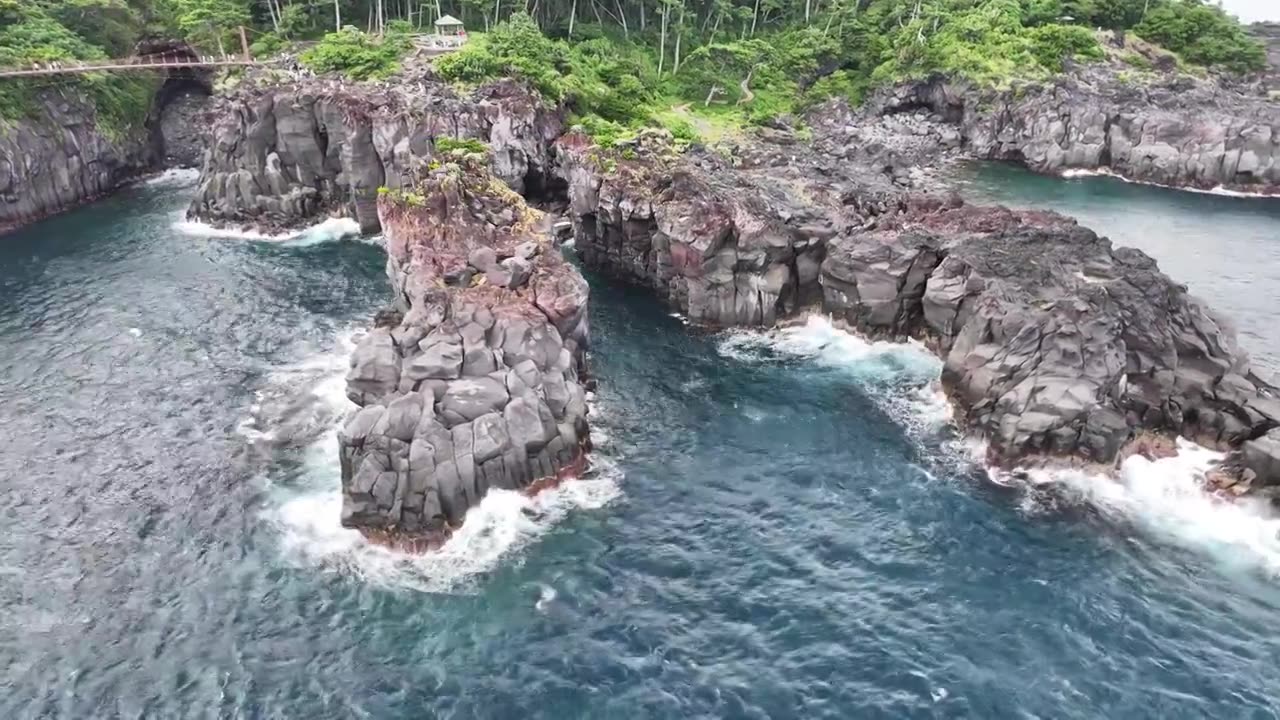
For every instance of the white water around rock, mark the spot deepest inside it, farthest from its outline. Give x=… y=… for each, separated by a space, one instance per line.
x=1165 y=498
x=308 y=518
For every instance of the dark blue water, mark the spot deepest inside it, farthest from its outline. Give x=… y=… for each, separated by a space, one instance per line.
x=778 y=525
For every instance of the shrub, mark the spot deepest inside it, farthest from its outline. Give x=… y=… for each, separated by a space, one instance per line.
x=1051 y=44
x=356 y=54
x=513 y=47
x=268 y=45
x=1202 y=34
x=446 y=145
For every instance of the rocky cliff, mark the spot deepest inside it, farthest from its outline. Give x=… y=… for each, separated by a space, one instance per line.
x=1164 y=128
x=473 y=380
x=59 y=158
x=1055 y=343
x=283 y=154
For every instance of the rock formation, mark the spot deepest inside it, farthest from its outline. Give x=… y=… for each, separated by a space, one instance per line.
x=1055 y=343
x=281 y=155
x=1166 y=129
x=474 y=380
x=725 y=245
x=59 y=159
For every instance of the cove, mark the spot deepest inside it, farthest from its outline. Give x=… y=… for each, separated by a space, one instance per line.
x=777 y=525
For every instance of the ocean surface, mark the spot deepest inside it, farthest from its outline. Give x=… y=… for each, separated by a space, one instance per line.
x=776 y=525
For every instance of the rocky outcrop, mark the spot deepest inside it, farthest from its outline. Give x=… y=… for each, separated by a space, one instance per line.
x=1167 y=129
x=474 y=380
x=1055 y=343
x=283 y=155
x=59 y=158
x=726 y=247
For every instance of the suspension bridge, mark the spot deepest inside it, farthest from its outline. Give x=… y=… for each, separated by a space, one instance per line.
x=424 y=44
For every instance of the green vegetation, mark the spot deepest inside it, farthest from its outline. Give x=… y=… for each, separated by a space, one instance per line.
x=445 y=145
x=699 y=68
x=66 y=31
x=710 y=66
x=358 y=55
x=1202 y=34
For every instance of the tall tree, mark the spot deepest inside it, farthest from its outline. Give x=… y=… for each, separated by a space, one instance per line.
x=212 y=20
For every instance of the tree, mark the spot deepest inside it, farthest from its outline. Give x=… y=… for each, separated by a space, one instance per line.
x=1119 y=16
x=211 y=20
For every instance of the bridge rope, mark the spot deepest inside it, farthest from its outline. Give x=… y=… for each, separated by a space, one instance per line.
x=157 y=61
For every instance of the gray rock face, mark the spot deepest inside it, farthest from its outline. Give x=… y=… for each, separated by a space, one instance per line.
x=470 y=385
x=282 y=155
x=1170 y=130
x=1055 y=343
x=58 y=160
x=183 y=127
x=726 y=246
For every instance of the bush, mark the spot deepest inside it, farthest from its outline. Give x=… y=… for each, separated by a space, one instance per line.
x=1202 y=34
x=1051 y=44
x=268 y=45
x=513 y=47
x=356 y=54
x=445 y=145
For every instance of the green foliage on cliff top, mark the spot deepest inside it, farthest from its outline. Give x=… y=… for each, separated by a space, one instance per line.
x=42 y=32
x=1202 y=34
x=357 y=55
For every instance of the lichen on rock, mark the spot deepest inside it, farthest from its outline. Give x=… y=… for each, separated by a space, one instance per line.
x=474 y=380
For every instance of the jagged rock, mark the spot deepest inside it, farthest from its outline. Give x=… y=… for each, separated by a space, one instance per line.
x=725 y=246
x=1169 y=129
x=1055 y=343
x=58 y=159
x=281 y=155
x=478 y=386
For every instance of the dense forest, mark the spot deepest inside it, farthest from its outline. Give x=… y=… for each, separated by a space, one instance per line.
x=619 y=62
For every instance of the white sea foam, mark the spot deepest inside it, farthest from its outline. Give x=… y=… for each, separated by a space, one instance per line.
x=504 y=523
x=303 y=398
x=546 y=596
x=902 y=376
x=175 y=176
x=1075 y=173
x=308 y=518
x=819 y=340
x=1167 y=498
x=327 y=231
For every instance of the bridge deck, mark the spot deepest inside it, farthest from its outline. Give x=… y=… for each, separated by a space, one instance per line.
x=64 y=68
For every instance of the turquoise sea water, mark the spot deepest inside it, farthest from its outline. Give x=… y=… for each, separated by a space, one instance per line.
x=779 y=525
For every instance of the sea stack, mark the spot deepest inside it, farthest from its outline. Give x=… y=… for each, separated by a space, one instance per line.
x=473 y=379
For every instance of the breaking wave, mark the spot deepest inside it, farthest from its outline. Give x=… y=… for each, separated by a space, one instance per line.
x=1076 y=173
x=901 y=376
x=1167 y=499
x=301 y=407
x=327 y=231
x=176 y=177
